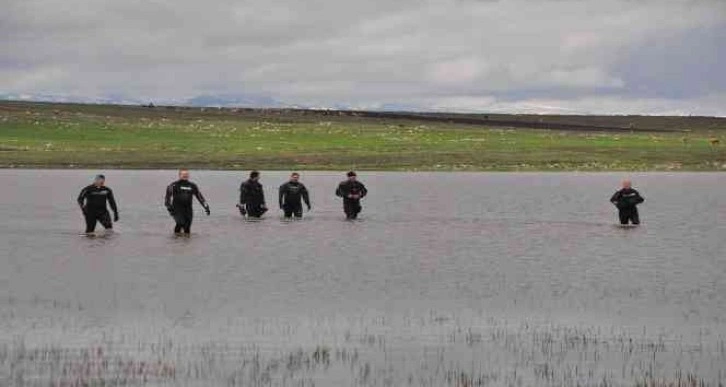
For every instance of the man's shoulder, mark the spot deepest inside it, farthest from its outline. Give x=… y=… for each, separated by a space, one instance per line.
x=251 y=185
x=182 y=183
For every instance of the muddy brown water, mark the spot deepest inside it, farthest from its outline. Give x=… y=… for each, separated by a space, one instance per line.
x=454 y=279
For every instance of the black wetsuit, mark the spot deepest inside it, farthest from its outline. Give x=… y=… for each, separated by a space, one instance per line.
x=626 y=201
x=351 y=206
x=178 y=201
x=252 y=198
x=92 y=200
x=292 y=194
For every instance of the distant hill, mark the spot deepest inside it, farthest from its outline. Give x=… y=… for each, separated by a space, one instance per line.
x=236 y=100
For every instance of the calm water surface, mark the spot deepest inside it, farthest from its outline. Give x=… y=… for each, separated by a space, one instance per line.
x=447 y=280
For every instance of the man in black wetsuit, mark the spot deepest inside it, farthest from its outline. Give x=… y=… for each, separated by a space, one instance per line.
x=178 y=201
x=352 y=191
x=292 y=194
x=92 y=201
x=626 y=200
x=252 y=197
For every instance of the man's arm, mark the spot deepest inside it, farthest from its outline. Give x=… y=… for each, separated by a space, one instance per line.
x=363 y=190
x=281 y=194
x=168 y=197
x=340 y=191
x=112 y=203
x=262 y=196
x=82 y=197
x=242 y=193
x=306 y=196
x=638 y=198
x=241 y=205
x=201 y=199
x=615 y=198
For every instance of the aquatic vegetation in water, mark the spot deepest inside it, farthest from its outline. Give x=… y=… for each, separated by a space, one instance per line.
x=494 y=354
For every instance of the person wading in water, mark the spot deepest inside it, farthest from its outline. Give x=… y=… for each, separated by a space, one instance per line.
x=92 y=201
x=292 y=195
x=626 y=200
x=178 y=201
x=252 y=197
x=352 y=191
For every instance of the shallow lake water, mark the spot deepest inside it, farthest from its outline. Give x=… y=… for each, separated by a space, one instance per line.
x=457 y=279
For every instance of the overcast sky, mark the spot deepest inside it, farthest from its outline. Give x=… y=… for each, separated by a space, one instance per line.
x=541 y=56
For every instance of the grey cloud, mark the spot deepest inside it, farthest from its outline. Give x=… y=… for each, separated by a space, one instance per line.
x=428 y=54
x=678 y=66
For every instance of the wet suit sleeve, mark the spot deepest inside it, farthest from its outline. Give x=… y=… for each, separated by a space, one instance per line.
x=638 y=199
x=306 y=196
x=340 y=191
x=363 y=190
x=201 y=199
x=242 y=193
x=112 y=202
x=82 y=197
x=615 y=199
x=168 y=196
x=282 y=193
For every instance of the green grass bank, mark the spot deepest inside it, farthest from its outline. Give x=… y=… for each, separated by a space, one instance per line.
x=43 y=135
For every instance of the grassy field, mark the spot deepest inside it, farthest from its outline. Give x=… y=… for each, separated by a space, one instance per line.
x=34 y=135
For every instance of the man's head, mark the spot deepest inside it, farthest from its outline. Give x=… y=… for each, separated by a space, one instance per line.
x=352 y=176
x=627 y=183
x=255 y=175
x=99 y=180
x=295 y=177
x=183 y=174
